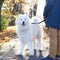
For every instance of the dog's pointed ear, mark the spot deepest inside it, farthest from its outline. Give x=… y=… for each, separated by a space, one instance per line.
x=27 y=16
x=17 y=18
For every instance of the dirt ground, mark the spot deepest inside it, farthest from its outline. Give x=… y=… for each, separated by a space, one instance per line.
x=8 y=34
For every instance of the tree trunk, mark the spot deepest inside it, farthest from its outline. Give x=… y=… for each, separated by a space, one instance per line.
x=1 y=2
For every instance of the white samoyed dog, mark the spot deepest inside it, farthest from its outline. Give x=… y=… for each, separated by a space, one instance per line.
x=27 y=32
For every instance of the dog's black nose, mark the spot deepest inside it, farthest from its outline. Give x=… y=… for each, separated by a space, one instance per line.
x=23 y=22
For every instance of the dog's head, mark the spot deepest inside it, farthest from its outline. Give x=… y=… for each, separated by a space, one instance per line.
x=22 y=20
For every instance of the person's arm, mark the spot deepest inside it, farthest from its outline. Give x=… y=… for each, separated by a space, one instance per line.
x=49 y=5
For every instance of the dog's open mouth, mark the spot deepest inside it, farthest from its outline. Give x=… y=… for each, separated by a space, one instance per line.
x=23 y=24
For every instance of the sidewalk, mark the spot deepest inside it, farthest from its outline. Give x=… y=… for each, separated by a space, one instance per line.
x=9 y=50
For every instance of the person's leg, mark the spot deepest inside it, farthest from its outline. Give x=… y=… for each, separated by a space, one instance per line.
x=58 y=45
x=53 y=42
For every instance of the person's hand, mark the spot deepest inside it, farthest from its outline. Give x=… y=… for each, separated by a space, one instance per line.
x=44 y=17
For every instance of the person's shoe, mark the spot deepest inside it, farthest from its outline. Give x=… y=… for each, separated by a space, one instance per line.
x=20 y=57
x=48 y=58
x=58 y=57
x=32 y=58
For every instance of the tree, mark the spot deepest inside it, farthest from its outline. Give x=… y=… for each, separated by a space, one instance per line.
x=18 y=5
x=1 y=2
x=7 y=9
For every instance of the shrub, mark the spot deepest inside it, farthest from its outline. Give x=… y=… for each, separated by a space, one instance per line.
x=4 y=23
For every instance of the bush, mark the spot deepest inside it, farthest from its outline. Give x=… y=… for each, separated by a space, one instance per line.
x=4 y=23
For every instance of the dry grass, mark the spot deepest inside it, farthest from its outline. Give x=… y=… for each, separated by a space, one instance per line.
x=10 y=33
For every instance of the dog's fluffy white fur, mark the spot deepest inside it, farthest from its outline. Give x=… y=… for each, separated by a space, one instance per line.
x=28 y=32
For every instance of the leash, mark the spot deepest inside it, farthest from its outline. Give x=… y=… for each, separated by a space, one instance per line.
x=38 y=22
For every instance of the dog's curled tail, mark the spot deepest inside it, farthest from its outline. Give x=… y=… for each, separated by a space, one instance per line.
x=35 y=19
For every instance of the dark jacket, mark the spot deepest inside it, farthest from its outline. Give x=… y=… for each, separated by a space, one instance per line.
x=52 y=13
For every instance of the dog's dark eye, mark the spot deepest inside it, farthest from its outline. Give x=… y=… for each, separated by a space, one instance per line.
x=24 y=19
x=20 y=19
